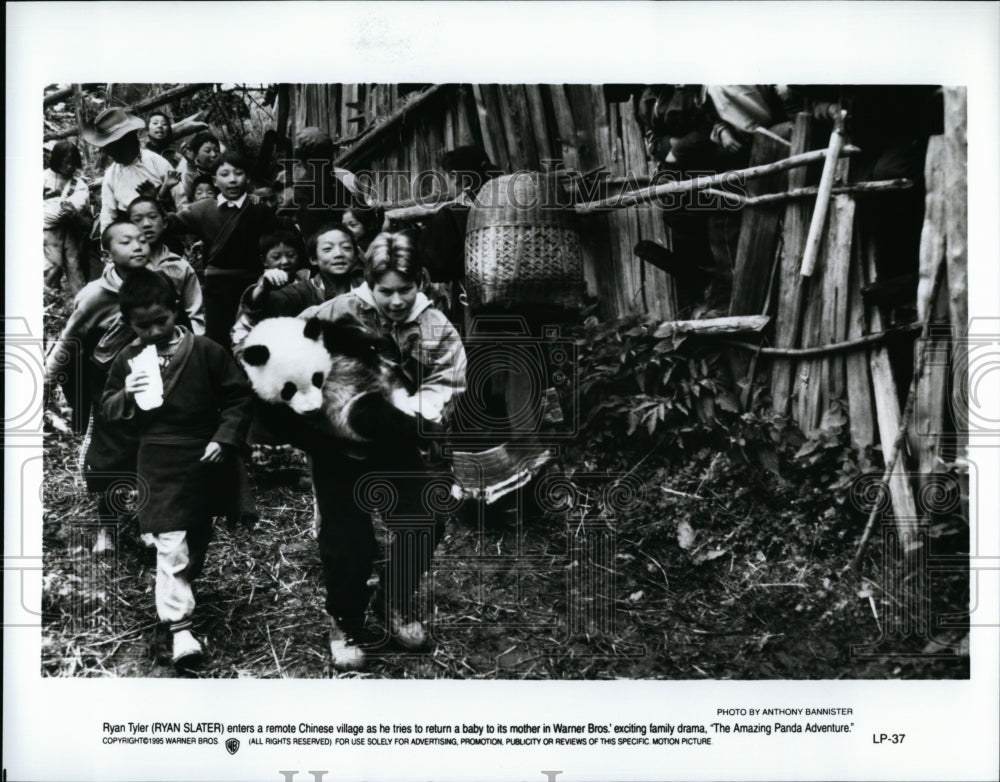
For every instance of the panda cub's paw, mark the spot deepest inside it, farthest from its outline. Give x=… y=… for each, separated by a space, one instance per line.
x=375 y=418
x=402 y=400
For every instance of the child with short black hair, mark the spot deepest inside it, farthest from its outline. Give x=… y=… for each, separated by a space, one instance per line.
x=149 y=215
x=265 y=193
x=204 y=152
x=204 y=187
x=187 y=442
x=79 y=362
x=281 y=252
x=230 y=227
x=160 y=136
x=337 y=269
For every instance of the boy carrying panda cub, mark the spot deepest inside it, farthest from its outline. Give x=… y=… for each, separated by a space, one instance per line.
x=375 y=439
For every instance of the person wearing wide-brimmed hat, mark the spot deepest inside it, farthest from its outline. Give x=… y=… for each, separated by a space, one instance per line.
x=134 y=170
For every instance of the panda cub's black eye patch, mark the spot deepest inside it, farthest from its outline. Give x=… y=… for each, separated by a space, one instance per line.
x=288 y=391
x=317 y=379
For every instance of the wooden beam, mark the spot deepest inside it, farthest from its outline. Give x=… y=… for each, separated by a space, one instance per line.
x=756 y=247
x=891 y=428
x=903 y=504
x=857 y=189
x=810 y=403
x=490 y=122
x=932 y=392
x=793 y=241
x=741 y=324
x=836 y=295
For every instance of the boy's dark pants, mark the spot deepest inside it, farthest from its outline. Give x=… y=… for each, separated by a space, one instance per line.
x=347 y=543
x=222 y=292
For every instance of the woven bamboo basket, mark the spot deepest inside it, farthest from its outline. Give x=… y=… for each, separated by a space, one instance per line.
x=521 y=246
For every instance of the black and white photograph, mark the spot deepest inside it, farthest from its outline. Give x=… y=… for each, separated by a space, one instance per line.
x=493 y=412
x=504 y=381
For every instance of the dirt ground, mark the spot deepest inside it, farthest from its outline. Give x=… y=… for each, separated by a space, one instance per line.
x=707 y=575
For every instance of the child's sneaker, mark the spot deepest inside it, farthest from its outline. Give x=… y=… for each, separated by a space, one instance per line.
x=187 y=649
x=409 y=635
x=346 y=654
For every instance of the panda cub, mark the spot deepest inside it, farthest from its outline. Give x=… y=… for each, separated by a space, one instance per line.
x=330 y=368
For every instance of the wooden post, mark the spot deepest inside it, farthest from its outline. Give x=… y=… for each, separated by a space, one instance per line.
x=758 y=234
x=793 y=243
x=932 y=392
x=859 y=390
x=835 y=294
x=890 y=423
x=755 y=253
x=957 y=209
x=493 y=137
x=903 y=505
x=811 y=398
x=536 y=111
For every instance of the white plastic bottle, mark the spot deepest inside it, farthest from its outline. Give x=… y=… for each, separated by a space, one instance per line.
x=147 y=361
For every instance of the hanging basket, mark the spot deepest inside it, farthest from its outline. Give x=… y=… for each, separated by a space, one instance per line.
x=521 y=246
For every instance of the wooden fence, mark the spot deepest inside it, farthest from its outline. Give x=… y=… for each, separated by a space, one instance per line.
x=812 y=306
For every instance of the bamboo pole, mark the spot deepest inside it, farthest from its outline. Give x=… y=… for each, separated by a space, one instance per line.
x=773 y=136
x=859 y=188
x=823 y=199
x=690 y=185
x=835 y=347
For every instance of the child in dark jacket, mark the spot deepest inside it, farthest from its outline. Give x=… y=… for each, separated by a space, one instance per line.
x=188 y=440
x=230 y=227
x=80 y=359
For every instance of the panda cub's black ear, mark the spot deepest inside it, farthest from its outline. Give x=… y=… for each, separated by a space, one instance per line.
x=313 y=329
x=256 y=355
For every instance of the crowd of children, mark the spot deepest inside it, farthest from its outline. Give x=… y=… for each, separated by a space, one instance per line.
x=194 y=254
